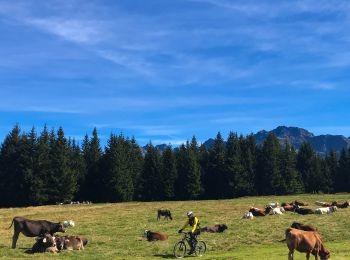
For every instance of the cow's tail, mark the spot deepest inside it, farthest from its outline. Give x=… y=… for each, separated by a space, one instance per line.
x=283 y=240
x=11 y=223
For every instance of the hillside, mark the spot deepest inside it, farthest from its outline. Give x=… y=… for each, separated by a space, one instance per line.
x=115 y=230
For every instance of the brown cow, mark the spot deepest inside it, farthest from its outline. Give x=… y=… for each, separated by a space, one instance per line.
x=154 y=236
x=302 y=226
x=288 y=207
x=218 y=228
x=300 y=203
x=70 y=242
x=305 y=242
x=258 y=212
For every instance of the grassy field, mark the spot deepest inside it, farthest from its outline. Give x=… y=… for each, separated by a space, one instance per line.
x=115 y=231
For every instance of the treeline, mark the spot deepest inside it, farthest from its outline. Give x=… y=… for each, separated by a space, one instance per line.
x=49 y=168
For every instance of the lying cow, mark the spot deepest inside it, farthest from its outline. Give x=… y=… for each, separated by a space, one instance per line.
x=219 y=228
x=303 y=211
x=164 y=212
x=248 y=215
x=325 y=204
x=258 y=212
x=300 y=203
x=275 y=211
x=46 y=243
x=154 y=236
x=288 y=207
x=70 y=242
x=344 y=205
x=305 y=242
x=326 y=210
x=273 y=205
x=33 y=228
x=302 y=226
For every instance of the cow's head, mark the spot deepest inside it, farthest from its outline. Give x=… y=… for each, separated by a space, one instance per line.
x=222 y=227
x=47 y=240
x=60 y=228
x=145 y=234
x=325 y=254
x=268 y=209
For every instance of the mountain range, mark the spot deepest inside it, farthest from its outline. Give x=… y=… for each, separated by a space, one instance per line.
x=296 y=136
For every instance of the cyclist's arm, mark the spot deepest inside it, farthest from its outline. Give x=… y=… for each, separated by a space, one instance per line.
x=185 y=226
x=194 y=225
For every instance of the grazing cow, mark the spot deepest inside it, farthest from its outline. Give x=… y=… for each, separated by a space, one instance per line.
x=154 y=236
x=219 y=228
x=43 y=244
x=326 y=210
x=302 y=226
x=258 y=212
x=70 y=242
x=305 y=242
x=303 y=211
x=273 y=205
x=164 y=212
x=33 y=228
x=248 y=215
x=300 y=203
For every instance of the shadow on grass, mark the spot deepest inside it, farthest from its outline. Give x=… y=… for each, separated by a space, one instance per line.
x=171 y=256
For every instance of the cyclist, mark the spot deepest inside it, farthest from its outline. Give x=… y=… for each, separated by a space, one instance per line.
x=195 y=230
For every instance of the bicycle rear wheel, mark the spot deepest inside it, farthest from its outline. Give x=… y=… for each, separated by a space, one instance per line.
x=179 y=249
x=201 y=247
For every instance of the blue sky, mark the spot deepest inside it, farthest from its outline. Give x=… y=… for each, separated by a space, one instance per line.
x=164 y=70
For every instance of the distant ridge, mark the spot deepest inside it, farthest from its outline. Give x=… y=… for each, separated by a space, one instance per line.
x=296 y=136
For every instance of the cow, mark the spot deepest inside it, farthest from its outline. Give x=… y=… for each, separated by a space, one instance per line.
x=344 y=205
x=275 y=211
x=302 y=226
x=68 y=223
x=288 y=207
x=155 y=236
x=164 y=212
x=70 y=242
x=325 y=204
x=273 y=204
x=300 y=203
x=46 y=243
x=219 y=228
x=326 y=210
x=258 y=212
x=305 y=242
x=248 y=215
x=303 y=211
x=33 y=228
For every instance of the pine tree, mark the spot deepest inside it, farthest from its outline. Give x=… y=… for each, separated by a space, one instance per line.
x=330 y=170
x=289 y=172
x=271 y=181
x=217 y=183
x=118 y=175
x=193 y=177
x=151 y=175
x=169 y=173
x=77 y=165
x=62 y=182
x=343 y=172
x=136 y=159
x=204 y=166
x=12 y=192
x=92 y=186
x=247 y=148
x=305 y=165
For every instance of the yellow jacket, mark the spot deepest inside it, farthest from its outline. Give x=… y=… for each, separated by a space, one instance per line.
x=194 y=224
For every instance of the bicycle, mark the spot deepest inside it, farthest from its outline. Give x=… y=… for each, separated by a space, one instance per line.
x=180 y=247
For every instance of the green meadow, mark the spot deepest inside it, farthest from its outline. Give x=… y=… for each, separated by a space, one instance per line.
x=115 y=231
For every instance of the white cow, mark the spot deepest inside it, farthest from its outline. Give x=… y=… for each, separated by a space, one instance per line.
x=277 y=211
x=326 y=210
x=273 y=205
x=248 y=215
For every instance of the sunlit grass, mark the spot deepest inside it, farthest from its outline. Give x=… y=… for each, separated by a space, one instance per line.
x=115 y=231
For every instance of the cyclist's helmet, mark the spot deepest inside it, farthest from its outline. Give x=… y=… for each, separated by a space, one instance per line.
x=189 y=214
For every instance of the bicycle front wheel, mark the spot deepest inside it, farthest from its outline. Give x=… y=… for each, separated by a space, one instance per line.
x=179 y=249
x=201 y=247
